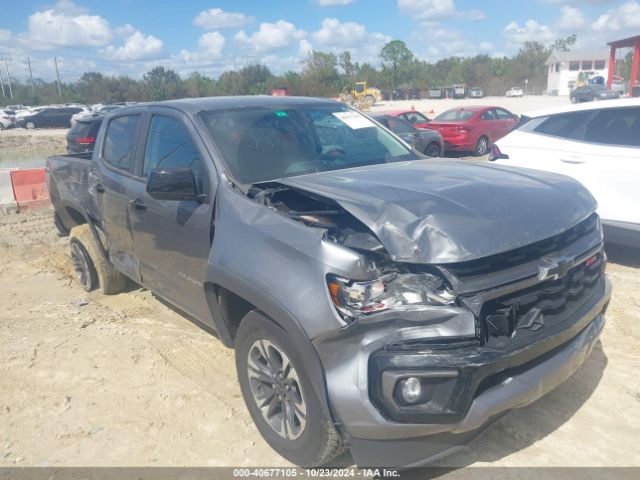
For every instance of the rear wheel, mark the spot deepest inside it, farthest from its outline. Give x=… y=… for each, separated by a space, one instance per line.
x=573 y=99
x=107 y=277
x=482 y=146
x=369 y=100
x=30 y=125
x=279 y=394
x=432 y=150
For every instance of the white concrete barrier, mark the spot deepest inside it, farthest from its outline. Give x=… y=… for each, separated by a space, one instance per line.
x=7 y=199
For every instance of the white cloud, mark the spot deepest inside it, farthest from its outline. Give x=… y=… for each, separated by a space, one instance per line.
x=69 y=7
x=271 y=36
x=529 y=32
x=52 y=28
x=436 y=10
x=137 y=46
x=333 y=3
x=572 y=19
x=212 y=43
x=216 y=18
x=626 y=18
x=304 y=48
x=336 y=33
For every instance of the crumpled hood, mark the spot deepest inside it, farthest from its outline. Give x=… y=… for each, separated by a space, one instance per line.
x=443 y=211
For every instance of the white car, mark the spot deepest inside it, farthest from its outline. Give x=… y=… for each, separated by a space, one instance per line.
x=596 y=143
x=514 y=92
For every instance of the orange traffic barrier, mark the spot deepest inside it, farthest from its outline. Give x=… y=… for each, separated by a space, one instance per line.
x=29 y=189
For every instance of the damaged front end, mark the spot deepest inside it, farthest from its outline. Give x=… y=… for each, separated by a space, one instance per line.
x=441 y=348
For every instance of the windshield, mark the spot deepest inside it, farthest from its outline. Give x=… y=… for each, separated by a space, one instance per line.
x=260 y=144
x=455 y=115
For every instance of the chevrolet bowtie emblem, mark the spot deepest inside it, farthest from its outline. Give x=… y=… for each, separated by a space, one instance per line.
x=554 y=268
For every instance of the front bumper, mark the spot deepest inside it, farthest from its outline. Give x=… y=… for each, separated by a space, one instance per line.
x=516 y=379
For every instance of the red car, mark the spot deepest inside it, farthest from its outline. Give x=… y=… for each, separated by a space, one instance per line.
x=416 y=119
x=473 y=129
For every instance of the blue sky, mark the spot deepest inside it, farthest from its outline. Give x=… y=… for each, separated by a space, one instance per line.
x=131 y=36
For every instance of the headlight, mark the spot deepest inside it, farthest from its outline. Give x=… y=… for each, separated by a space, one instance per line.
x=393 y=291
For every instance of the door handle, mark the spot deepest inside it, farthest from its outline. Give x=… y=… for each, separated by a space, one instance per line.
x=574 y=160
x=138 y=204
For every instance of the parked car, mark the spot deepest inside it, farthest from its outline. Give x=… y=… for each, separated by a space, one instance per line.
x=7 y=118
x=476 y=92
x=398 y=95
x=49 y=117
x=81 y=137
x=595 y=143
x=93 y=110
x=435 y=93
x=589 y=93
x=514 y=92
x=83 y=111
x=473 y=128
x=428 y=142
x=415 y=118
x=376 y=300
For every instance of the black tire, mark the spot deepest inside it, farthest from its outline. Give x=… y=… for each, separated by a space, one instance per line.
x=83 y=265
x=62 y=230
x=109 y=279
x=482 y=146
x=369 y=100
x=317 y=442
x=573 y=99
x=433 y=150
x=30 y=125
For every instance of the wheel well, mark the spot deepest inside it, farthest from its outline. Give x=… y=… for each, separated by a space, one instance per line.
x=75 y=216
x=233 y=309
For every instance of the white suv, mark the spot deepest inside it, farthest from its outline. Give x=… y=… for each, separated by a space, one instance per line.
x=595 y=143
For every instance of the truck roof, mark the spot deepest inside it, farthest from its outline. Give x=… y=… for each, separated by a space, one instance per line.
x=194 y=105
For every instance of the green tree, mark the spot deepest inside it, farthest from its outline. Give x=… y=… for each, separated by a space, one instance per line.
x=564 y=44
x=397 y=57
x=163 y=84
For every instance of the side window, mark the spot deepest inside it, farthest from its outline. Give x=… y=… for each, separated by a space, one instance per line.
x=566 y=125
x=119 y=142
x=170 y=145
x=503 y=114
x=615 y=126
x=488 y=115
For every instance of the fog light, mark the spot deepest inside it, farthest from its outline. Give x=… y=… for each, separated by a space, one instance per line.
x=411 y=389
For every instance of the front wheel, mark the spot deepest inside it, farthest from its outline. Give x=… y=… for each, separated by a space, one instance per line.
x=30 y=125
x=432 y=150
x=573 y=99
x=280 y=396
x=369 y=100
x=482 y=146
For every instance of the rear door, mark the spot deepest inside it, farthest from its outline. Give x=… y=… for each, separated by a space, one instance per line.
x=172 y=239
x=109 y=182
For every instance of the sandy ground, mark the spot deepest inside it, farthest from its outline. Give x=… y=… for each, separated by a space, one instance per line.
x=93 y=380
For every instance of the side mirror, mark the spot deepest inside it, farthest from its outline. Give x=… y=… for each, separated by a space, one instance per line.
x=172 y=184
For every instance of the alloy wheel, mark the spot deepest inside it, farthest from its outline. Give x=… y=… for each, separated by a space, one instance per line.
x=275 y=387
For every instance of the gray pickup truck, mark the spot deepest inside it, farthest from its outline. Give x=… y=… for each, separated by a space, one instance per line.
x=377 y=300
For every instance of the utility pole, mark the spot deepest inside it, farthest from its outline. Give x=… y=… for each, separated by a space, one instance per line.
x=33 y=87
x=2 y=83
x=55 y=60
x=6 y=64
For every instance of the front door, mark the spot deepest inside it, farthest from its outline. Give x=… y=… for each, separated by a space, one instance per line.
x=172 y=239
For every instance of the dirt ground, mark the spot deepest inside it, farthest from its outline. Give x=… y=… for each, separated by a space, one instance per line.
x=93 y=380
